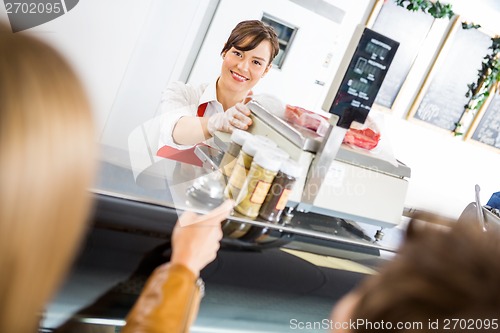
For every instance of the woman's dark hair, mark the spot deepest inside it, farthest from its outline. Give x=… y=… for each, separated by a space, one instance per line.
x=440 y=274
x=247 y=35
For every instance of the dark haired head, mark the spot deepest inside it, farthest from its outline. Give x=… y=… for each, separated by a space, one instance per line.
x=247 y=35
x=441 y=273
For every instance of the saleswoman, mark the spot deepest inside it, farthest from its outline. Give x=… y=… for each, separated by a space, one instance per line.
x=194 y=113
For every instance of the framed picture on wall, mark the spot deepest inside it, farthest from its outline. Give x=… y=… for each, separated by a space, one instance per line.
x=485 y=128
x=409 y=29
x=442 y=98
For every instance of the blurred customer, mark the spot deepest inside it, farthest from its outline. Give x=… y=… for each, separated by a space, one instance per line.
x=443 y=279
x=47 y=162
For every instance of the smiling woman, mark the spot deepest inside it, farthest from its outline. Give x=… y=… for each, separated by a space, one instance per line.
x=191 y=114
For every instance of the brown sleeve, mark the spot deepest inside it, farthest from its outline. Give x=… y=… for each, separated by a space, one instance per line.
x=168 y=303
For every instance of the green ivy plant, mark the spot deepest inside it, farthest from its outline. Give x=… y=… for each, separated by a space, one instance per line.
x=471 y=25
x=436 y=9
x=488 y=76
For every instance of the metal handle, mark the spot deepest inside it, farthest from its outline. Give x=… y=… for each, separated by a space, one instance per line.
x=480 y=215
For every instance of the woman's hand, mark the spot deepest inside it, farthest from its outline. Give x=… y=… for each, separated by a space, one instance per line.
x=237 y=116
x=195 y=240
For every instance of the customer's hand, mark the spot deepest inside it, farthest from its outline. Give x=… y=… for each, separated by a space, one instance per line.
x=195 y=240
x=236 y=117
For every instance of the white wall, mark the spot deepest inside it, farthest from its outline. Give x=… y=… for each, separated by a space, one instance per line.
x=159 y=56
x=98 y=38
x=444 y=169
x=125 y=51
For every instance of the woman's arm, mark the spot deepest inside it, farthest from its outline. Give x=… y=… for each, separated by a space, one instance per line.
x=178 y=101
x=193 y=130
x=171 y=297
x=168 y=303
x=190 y=130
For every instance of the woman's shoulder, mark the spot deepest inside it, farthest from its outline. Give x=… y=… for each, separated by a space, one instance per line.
x=187 y=90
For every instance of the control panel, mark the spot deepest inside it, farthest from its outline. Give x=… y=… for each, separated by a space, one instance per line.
x=360 y=76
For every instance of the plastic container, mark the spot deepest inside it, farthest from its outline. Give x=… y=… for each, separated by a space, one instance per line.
x=243 y=164
x=238 y=138
x=237 y=179
x=264 y=168
x=278 y=194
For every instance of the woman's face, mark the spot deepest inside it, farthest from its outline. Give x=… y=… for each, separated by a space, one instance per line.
x=241 y=70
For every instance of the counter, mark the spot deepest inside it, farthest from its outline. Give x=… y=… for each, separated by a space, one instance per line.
x=165 y=184
x=300 y=274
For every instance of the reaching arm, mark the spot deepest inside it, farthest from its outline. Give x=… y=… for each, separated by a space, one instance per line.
x=168 y=303
x=179 y=101
x=171 y=297
x=191 y=130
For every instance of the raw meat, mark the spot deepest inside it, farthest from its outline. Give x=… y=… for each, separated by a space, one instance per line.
x=302 y=117
x=365 y=138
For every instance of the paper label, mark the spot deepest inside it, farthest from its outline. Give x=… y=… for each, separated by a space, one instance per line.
x=238 y=176
x=260 y=192
x=283 y=199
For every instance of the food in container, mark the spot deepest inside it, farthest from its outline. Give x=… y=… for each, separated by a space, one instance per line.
x=238 y=138
x=282 y=186
x=264 y=168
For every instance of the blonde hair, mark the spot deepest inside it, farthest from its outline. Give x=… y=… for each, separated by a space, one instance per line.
x=47 y=147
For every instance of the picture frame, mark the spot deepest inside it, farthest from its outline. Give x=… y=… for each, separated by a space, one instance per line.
x=440 y=103
x=408 y=28
x=485 y=128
